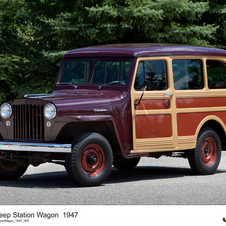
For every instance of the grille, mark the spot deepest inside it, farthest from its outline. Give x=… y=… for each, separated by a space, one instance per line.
x=28 y=122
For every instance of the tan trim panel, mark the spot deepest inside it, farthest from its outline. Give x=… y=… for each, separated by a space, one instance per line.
x=204 y=112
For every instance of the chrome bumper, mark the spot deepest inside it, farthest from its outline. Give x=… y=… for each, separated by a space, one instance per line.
x=35 y=147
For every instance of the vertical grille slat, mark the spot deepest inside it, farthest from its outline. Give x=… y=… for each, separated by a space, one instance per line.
x=33 y=123
x=37 y=125
x=25 y=121
x=28 y=122
x=22 y=121
x=41 y=122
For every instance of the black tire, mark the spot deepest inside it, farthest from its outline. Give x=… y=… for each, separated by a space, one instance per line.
x=205 y=158
x=90 y=161
x=125 y=164
x=11 y=170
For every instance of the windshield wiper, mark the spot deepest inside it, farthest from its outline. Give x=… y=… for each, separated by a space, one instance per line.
x=113 y=83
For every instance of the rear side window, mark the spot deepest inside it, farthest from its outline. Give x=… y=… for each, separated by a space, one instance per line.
x=187 y=74
x=216 y=73
x=153 y=71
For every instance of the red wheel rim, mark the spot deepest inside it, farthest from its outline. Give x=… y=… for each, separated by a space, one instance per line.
x=208 y=151
x=8 y=166
x=92 y=160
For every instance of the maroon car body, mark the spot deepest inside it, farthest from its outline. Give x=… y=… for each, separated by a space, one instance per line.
x=100 y=112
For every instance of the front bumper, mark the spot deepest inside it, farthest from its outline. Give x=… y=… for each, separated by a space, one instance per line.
x=35 y=147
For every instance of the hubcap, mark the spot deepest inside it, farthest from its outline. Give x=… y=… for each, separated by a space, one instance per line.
x=92 y=160
x=208 y=151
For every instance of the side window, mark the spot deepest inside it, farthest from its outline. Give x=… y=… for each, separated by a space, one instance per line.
x=153 y=71
x=216 y=73
x=187 y=74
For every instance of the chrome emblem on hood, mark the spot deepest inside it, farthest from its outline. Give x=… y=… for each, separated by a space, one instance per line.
x=99 y=109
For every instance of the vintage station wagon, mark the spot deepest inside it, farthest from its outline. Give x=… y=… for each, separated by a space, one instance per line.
x=113 y=104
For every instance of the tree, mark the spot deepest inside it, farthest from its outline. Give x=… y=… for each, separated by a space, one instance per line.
x=24 y=37
x=34 y=34
x=112 y=21
x=216 y=14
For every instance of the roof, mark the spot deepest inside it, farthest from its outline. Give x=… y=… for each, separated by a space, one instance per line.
x=143 y=50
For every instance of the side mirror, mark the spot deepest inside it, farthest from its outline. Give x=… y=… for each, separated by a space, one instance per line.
x=147 y=84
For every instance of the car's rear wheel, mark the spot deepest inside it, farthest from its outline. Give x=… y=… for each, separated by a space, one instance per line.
x=90 y=161
x=205 y=158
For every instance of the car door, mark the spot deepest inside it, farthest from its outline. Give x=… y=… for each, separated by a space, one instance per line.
x=154 y=118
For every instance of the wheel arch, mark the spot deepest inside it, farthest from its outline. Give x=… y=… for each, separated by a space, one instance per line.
x=105 y=128
x=215 y=123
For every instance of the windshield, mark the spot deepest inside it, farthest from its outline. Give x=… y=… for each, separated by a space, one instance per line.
x=95 y=72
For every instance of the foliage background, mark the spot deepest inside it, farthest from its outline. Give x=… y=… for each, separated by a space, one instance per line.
x=34 y=34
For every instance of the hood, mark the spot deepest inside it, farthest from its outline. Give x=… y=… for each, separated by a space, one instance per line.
x=77 y=104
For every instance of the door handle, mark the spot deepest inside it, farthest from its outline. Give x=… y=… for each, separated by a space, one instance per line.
x=168 y=94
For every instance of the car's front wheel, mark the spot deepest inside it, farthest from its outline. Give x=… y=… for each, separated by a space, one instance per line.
x=90 y=161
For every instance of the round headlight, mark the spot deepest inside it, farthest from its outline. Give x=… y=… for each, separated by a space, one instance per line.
x=6 y=110
x=50 y=111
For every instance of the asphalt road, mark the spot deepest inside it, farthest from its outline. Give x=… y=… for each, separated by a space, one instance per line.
x=163 y=181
